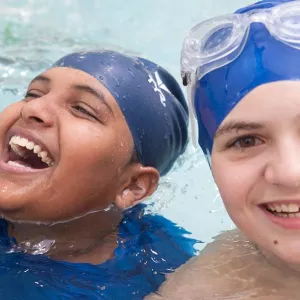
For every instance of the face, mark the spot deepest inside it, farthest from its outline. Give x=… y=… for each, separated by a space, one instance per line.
x=256 y=165
x=64 y=149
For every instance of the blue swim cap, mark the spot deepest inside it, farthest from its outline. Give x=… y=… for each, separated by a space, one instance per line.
x=263 y=59
x=261 y=5
x=150 y=98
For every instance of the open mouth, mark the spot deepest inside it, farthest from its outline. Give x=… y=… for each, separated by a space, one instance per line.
x=290 y=210
x=23 y=153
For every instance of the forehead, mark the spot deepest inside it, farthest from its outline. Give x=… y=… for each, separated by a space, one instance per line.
x=72 y=80
x=70 y=76
x=272 y=100
x=69 y=82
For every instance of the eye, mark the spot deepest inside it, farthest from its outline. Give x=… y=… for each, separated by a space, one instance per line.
x=246 y=142
x=30 y=94
x=84 y=111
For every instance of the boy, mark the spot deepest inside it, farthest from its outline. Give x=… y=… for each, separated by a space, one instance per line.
x=245 y=88
x=88 y=143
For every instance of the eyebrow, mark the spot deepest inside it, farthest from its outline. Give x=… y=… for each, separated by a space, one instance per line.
x=97 y=94
x=230 y=126
x=84 y=88
x=40 y=78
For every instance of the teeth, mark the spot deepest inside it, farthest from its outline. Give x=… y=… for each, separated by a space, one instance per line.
x=48 y=161
x=37 y=149
x=285 y=208
x=271 y=207
x=43 y=154
x=291 y=210
x=17 y=150
x=288 y=215
x=16 y=142
x=23 y=142
x=30 y=145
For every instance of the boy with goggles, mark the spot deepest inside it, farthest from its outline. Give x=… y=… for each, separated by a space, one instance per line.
x=242 y=73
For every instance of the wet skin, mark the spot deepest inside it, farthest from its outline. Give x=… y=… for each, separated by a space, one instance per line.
x=73 y=117
x=256 y=166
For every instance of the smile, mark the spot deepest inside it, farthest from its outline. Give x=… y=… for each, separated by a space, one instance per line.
x=25 y=154
x=291 y=210
x=286 y=215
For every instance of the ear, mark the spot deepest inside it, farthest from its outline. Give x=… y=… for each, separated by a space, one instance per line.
x=141 y=182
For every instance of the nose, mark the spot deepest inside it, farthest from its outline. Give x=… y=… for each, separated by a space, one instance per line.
x=283 y=167
x=39 y=112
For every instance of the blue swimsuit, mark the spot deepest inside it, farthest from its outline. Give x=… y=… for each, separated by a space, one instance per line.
x=149 y=247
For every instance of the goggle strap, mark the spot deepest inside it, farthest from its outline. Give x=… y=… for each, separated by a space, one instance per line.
x=191 y=106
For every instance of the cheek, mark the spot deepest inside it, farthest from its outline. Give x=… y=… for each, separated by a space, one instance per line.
x=65 y=196
x=235 y=181
x=87 y=147
x=73 y=200
x=9 y=116
x=94 y=146
x=90 y=164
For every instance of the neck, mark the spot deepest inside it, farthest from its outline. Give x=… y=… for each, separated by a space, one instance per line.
x=90 y=239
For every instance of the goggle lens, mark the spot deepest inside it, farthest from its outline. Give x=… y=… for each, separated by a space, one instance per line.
x=216 y=39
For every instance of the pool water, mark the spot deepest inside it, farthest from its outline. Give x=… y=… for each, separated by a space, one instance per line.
x=149 y=246
x=35 y=33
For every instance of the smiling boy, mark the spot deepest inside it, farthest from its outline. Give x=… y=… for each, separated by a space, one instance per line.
x=87 y=143
x=244 y=78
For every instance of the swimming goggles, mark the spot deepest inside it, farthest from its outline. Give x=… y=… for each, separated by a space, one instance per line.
x=218 y=41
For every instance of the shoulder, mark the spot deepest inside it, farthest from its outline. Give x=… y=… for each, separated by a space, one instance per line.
x=208 y=275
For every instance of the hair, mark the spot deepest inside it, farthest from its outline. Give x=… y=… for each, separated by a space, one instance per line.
x=134 y=157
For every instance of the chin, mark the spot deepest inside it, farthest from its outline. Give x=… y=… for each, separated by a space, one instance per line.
x=10 y=204
x=290 y=256
x=284 y=254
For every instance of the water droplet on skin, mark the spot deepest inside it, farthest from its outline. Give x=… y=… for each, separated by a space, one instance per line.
x=109 y=208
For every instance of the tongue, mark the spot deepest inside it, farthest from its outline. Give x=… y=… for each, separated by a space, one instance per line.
x=18 y=164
